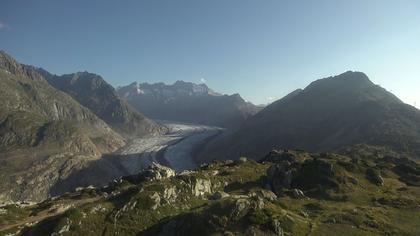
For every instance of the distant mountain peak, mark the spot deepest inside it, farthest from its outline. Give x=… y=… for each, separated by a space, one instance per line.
x=187 y=102
x=346 y=80
x=12 y=66
x=355 y=76
x=133 y=84
x=195 y=88
x=8 y=63
x=182 y=83
x=4 y=55
x=93 y=92
x=348 y=87
x=180 y=87
x=85 y=75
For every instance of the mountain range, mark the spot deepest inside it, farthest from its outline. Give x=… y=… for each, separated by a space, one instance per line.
x=338 y=157
x=188 y=102
x=329 y=114
x=53 y=126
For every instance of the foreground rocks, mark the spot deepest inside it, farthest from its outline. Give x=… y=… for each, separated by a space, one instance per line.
x=304 y=194
x=157 y=172
x=291 y=174
x=279 y=177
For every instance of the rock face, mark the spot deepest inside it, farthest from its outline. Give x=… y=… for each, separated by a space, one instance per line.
x=314 y=173
x=155 y=198
x=157 y=172
x=297 y=193
x=266 y=194
x=328 y=115
x=239 y=208
x=277 y=227
x=276 y=156
x=93 y=92
x=45 y=135
x=201 y=187
x=279 y=177
x=295 y=176
x=187 y=102
x=220 y=195
x=374 y=176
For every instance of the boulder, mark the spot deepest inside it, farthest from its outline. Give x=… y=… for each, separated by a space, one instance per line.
x=279 y=156
x=241 y=160
x=186 y=172
x=215 y=172
x=258 y=203
x=374 y=177
x=65 y=228
x=276 y=226
x=155 y=200
x=353 y=180
x=297 y=193
x=279 y=177
x=199 y=187
x=229 y=162
x=220 y=195
x=3 y=211
x=315 y=173
x=304 y=214
x=169 y=194
x=267 y=194
x=156 y=172
x=240 y=208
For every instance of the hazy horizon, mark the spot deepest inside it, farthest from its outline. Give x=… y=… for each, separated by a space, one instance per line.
x=261 y=50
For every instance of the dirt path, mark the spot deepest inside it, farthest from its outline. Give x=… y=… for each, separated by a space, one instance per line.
x=50 y=212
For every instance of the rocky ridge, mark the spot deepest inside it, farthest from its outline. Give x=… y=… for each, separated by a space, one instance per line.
x=45 y=135
x=93 y=92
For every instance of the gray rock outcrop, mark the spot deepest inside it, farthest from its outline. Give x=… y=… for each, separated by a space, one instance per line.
x=279 y=177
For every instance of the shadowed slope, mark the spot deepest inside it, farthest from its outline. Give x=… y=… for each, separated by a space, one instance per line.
x=93 y=92
x=44 y=134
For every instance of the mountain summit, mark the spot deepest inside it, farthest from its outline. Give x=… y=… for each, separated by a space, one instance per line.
x=329 y=114
x=93 y=92
x=187 y=102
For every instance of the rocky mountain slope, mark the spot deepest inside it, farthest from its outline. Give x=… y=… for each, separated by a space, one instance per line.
x=329 y=114
x=364 y=191
x=93 y=92
x=45 y=135
x=188 y=102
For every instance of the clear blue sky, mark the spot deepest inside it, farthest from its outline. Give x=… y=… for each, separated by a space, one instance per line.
x=260 y=49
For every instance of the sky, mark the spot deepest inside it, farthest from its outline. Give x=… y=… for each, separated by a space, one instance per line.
x=260 y=49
